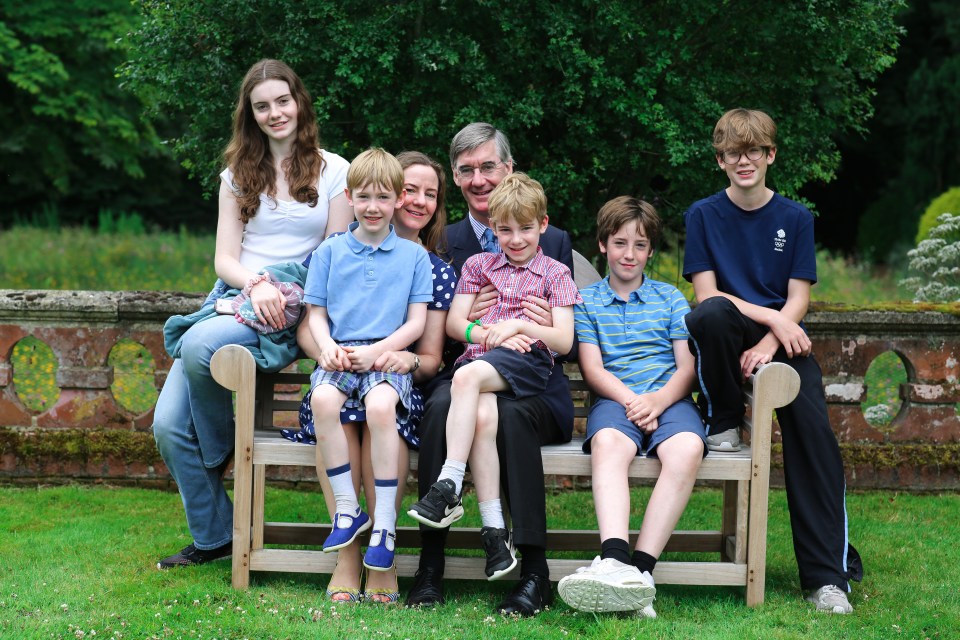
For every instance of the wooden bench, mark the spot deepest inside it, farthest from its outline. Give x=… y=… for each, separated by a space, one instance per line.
x=739 y=544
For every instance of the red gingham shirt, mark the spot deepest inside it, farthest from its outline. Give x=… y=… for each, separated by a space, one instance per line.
x=542 y=276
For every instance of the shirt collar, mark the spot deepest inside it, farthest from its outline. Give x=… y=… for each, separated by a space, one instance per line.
x=478 y=227
x=537 y=264
x=356 y=246
x=608 y=295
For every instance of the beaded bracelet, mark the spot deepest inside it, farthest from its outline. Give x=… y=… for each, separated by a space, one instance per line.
x=475 y=323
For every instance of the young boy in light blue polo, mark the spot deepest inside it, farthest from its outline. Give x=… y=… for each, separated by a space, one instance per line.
x=634 y=356
x=367 y=293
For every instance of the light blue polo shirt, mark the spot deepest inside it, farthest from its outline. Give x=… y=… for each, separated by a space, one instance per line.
x=635 y=336
x=365 y=290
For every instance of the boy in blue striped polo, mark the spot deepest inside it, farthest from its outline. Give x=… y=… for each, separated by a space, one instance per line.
x=634 y=356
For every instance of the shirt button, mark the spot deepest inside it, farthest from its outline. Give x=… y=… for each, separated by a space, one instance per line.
x=369 y=273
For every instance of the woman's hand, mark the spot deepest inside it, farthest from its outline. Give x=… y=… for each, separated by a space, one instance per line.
x=395 y=362
x=268 y=304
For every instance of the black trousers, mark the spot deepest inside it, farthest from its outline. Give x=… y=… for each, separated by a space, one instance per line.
x=524 y=426
x=812 y=466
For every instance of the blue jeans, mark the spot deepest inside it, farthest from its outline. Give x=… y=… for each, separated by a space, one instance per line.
x=194 y=429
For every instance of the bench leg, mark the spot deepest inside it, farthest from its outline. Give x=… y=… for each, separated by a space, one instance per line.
x=259 y=500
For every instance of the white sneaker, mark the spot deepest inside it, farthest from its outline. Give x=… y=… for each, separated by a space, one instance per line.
x=728 y=440
x=609 y=585
x=831 y=599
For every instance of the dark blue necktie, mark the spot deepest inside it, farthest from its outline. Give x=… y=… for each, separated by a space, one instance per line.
x=488 y=241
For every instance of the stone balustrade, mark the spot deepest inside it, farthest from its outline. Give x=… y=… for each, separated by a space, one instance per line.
x=86 y=431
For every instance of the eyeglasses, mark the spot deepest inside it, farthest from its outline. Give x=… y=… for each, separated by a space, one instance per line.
x=487 y=169
x=753 y=154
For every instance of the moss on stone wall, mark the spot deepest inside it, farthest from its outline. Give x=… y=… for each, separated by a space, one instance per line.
x=949 y=308
x=890 y=456
x=79 y=445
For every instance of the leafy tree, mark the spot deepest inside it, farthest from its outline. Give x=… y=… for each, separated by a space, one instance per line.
x=69 y=136
x=599 y=98
x=910 y=156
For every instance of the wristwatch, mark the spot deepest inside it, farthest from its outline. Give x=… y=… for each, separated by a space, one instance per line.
x=416 y=363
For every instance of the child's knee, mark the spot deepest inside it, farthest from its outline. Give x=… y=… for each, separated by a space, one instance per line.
x=466 y=377
x=381 y=412
x=609 y=443
x=325 y=402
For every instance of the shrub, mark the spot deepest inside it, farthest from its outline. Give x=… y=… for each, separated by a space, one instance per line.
x=946 y=202
x=938 y=260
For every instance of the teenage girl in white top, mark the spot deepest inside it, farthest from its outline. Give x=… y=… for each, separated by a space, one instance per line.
x=279 y=197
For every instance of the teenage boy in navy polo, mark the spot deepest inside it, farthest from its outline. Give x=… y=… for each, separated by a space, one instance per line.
x=750 y=255
x=506 y=355
x=634 y=355
x=367 y=292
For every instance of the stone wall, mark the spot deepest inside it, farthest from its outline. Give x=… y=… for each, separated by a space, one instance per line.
x=86 y=433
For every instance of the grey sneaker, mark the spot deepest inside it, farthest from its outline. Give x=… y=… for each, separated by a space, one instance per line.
x=831 y=599
x=728 y=440
x=609 y=585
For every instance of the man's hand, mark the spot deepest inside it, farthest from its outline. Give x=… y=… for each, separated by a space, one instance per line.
x=486 y=298
x=538 y=310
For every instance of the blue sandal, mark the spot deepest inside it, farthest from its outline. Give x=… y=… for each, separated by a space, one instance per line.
x=379 y=555
x=346 y=528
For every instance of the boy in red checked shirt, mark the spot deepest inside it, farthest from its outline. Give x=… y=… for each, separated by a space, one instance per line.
x=506 y=355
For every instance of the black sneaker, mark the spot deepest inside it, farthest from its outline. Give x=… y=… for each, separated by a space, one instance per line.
x=191 y=556
x=499 y=549
x=440 y=508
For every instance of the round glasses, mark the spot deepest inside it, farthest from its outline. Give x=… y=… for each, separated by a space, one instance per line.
x=753 y=154
x=486 y=169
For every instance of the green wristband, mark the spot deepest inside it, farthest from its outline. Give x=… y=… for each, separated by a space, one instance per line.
x=475 y=323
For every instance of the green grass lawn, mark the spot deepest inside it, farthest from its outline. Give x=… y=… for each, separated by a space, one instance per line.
x=87 y=259
x=79 y=563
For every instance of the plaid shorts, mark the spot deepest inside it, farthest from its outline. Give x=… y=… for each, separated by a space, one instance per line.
x=357 y=385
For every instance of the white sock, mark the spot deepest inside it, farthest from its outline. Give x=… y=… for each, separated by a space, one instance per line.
x=453 y=470
x=341 y=483
x=491 y=514
x=385 y=513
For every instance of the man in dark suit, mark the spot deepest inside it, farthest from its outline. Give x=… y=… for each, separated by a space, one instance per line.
x=480 y=158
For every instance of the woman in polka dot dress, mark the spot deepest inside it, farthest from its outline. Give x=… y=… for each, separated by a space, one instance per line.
x=422 y=219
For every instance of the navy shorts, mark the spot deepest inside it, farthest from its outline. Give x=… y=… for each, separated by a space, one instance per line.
x=680 y=417
x=526 y=372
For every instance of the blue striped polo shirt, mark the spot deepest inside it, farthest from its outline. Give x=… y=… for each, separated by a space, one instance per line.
x=635 y=336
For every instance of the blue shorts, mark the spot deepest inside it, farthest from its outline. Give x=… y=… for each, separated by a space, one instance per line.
x=680 y=417
x=525 y=372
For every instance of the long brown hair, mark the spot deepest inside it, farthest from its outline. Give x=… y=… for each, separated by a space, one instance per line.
x=248 y=153
x=434 y=235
